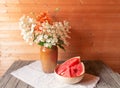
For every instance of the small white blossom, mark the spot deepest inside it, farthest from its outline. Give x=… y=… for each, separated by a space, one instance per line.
x=45 y=36
x=40 y=37
x=42 y=40
x=55 y=39
x=30 y=20
x=32 y=27
x=48 y=40
x=47 y=45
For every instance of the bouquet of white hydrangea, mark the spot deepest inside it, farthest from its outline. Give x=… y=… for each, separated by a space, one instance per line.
x=44 y=31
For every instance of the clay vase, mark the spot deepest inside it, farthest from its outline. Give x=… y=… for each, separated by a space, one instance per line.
x=48 y=57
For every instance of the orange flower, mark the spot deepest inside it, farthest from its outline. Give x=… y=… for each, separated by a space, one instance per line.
x=37 y=27
x=44 y=17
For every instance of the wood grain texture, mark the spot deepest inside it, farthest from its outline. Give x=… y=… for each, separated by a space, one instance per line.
x=11 y=82
x=95 y=33
x=108 y=78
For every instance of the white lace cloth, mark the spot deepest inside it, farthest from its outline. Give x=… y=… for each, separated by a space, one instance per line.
x=33 y=75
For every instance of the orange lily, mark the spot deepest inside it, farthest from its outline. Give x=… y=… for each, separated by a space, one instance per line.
x=44 y=17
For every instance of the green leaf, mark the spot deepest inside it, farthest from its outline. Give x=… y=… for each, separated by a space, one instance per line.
x=60 y=41
x=61 y=47
x=35 y=37
x=50 y=47
x=41 y=43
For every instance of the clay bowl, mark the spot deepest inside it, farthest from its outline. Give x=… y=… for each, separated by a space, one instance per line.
x=69 y=80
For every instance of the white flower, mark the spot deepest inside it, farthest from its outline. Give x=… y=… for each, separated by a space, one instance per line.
x=47 y=45
x=48 y=40
x=55 y=39
x=32 y=27
x=30 y=20
x=42 y=40
x=40 y=37
x=45 y=36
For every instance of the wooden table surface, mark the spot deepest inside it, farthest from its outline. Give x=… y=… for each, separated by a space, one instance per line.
x=108 y=78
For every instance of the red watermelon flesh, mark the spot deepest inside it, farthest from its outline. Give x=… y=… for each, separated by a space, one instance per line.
x=68 y=63
x=71 y=68
x=66 y=73
x=76 y=70
x=72 y=61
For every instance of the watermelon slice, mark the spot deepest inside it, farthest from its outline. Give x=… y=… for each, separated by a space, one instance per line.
x=71 y=68
x=66 y=73
x=77 y=69
x=71 y=62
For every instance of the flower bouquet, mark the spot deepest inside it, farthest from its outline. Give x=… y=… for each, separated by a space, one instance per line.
x=44 y=30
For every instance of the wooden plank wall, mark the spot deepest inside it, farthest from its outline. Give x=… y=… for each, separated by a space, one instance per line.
x=95 y=33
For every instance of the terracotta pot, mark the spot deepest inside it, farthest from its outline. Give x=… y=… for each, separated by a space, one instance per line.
x=48 y=57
